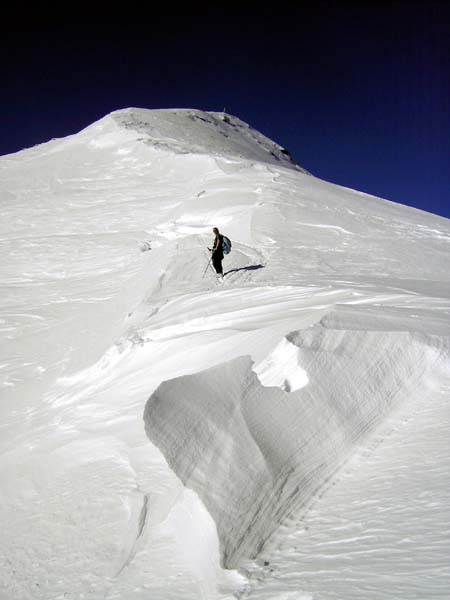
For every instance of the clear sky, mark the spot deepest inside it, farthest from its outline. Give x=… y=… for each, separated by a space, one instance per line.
x=359 y=92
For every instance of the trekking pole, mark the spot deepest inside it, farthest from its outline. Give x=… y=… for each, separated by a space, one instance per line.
x=204 y=273
x=209 y=262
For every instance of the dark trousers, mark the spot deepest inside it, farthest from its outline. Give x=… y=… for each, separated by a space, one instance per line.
x=217 y=262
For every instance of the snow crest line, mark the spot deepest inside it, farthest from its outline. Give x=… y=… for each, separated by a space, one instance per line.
x=140 y=529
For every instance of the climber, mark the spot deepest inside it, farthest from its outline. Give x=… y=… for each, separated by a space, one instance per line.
x=217 y=251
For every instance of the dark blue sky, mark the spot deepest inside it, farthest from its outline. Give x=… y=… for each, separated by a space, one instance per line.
x=358 y=92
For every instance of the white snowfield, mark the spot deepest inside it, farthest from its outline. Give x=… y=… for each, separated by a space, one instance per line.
x=280 y=434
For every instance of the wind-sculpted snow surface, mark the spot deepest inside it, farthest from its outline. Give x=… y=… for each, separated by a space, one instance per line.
x=331 y=326
x=254 y=454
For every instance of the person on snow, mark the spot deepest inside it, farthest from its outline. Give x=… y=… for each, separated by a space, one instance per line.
x=217 y=252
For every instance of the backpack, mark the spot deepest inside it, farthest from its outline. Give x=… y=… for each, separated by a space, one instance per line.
x=226 y=245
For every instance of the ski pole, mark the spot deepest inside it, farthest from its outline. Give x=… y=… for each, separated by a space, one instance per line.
x=209 y=261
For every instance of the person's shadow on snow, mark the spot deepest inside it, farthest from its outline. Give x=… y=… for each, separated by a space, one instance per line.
x=250 y=268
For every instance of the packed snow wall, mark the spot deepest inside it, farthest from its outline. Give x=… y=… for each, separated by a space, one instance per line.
x=253 y=453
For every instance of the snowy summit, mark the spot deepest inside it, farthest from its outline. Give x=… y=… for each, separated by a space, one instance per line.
x=281 y=433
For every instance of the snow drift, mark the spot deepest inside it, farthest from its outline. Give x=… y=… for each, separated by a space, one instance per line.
x=255 y=454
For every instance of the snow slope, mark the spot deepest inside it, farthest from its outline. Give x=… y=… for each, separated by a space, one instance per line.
x=160 y=427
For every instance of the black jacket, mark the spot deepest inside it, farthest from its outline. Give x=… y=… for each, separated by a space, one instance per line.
x=217 y=247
